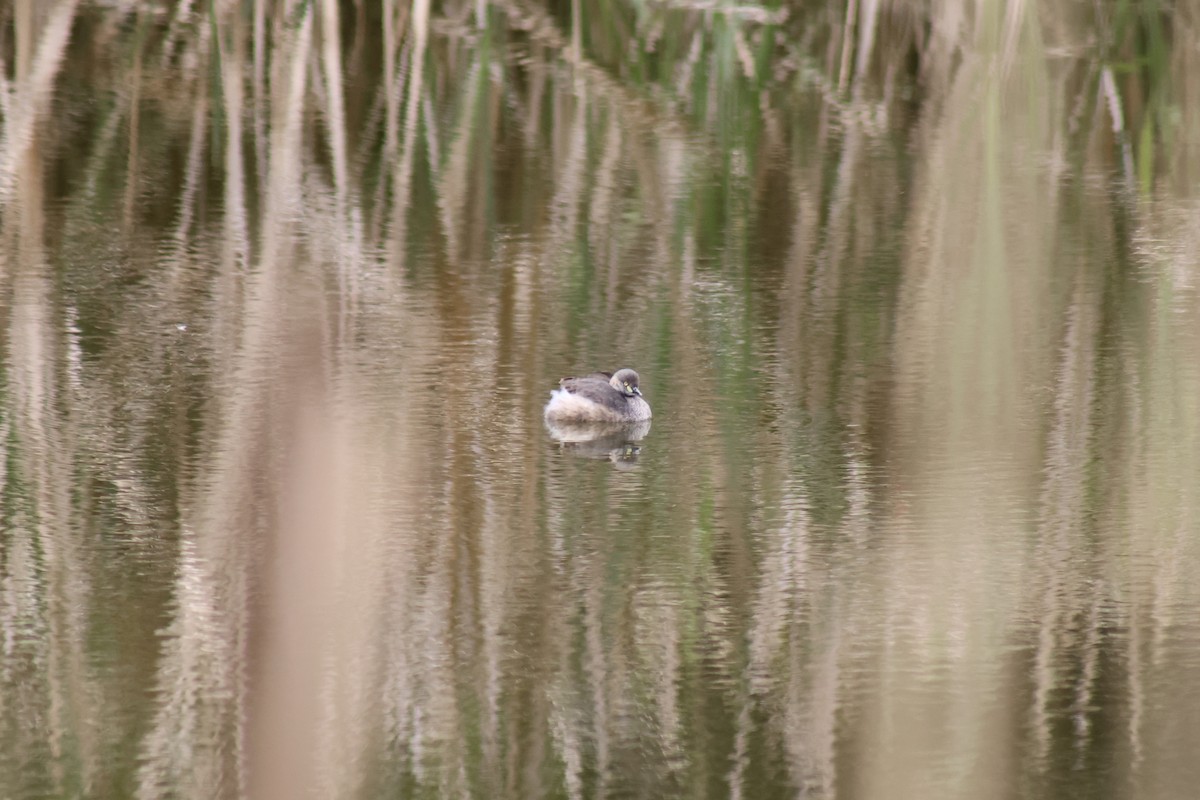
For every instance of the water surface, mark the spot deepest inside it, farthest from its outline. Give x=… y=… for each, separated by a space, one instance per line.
x=917 y=514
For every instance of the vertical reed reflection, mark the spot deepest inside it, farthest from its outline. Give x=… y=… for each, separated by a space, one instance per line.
x=971 y=318
x=45 y=599
x=283 y=297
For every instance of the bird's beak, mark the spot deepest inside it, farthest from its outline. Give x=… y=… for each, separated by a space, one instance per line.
x=637 y=391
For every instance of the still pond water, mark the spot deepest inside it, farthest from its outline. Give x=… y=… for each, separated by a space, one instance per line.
x=917 y=515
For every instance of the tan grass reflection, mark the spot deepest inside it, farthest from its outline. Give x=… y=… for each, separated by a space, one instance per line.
x=971 y=309
x=900 y=546
x=1160 y=494
x=41 y=40
x=44 y=582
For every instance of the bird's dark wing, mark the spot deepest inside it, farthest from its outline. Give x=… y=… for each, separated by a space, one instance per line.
x=591 y=376
x=594 y=388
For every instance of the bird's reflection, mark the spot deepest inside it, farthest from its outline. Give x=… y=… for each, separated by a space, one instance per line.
x=606 y=441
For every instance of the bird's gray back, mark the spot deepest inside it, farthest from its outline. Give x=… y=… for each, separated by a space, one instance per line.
x=595 y=387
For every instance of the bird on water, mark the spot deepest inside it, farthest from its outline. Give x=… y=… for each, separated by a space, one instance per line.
x=598 y=397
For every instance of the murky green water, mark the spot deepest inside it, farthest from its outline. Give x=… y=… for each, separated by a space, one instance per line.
x=917 y=515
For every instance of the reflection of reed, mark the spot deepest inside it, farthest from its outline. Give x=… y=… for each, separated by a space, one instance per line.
x=205 y=677
x=779 y=614
x=1154 y=501
x=379 y=578
x=1062 y=548
x=402 y=168
x=36 y=72
x=45 y=584
x=970 y=312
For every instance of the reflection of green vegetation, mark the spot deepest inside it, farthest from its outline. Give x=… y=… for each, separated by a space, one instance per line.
x=829 y=259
